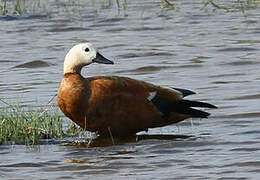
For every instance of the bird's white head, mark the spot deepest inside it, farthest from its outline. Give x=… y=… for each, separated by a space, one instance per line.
x=81 y=55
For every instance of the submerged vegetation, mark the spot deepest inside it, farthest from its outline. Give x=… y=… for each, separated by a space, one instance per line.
x=18 y=125
x=20 y=7
x=237 y=5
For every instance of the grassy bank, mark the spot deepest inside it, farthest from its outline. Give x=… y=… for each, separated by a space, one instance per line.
x=18 y=125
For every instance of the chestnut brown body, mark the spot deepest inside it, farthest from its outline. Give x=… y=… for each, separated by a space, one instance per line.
x=116 y=104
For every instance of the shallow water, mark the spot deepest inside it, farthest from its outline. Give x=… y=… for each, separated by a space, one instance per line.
x=212 y=52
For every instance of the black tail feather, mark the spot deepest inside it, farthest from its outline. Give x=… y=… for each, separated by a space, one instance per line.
x=195 y=104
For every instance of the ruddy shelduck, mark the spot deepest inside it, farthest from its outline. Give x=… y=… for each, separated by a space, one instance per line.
x=115 y=105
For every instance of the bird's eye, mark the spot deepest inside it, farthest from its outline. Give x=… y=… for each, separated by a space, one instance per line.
x=87 y=50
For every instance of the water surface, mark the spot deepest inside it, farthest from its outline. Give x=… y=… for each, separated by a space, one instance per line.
x=213 y=52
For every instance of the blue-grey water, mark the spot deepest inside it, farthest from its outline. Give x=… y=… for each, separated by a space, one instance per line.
x=215 y=52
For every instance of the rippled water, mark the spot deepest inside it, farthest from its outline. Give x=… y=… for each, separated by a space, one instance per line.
x=214 y=52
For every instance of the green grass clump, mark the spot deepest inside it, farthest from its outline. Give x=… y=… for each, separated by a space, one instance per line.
x=28 y=127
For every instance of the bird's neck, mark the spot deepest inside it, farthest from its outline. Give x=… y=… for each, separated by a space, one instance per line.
x=72 y=69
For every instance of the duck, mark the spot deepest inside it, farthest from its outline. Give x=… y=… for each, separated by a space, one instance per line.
x=119 y=106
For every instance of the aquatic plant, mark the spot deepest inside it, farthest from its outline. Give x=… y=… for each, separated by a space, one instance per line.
x=20 y=125
x=167 y=4
x=3 y=8
x=240 y=5
x=20 y=7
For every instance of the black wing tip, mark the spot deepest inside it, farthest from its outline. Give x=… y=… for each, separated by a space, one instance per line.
x=195 y=113
x=203 y=114
x=212 y=106
x=185 y=107
x=182 y=106
x=207 y=105
x=190 y=103
x=185 y=92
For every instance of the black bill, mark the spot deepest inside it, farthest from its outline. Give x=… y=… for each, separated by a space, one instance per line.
x=101 y=59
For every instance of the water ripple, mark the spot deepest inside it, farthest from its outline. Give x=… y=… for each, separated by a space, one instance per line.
x=33 y=64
